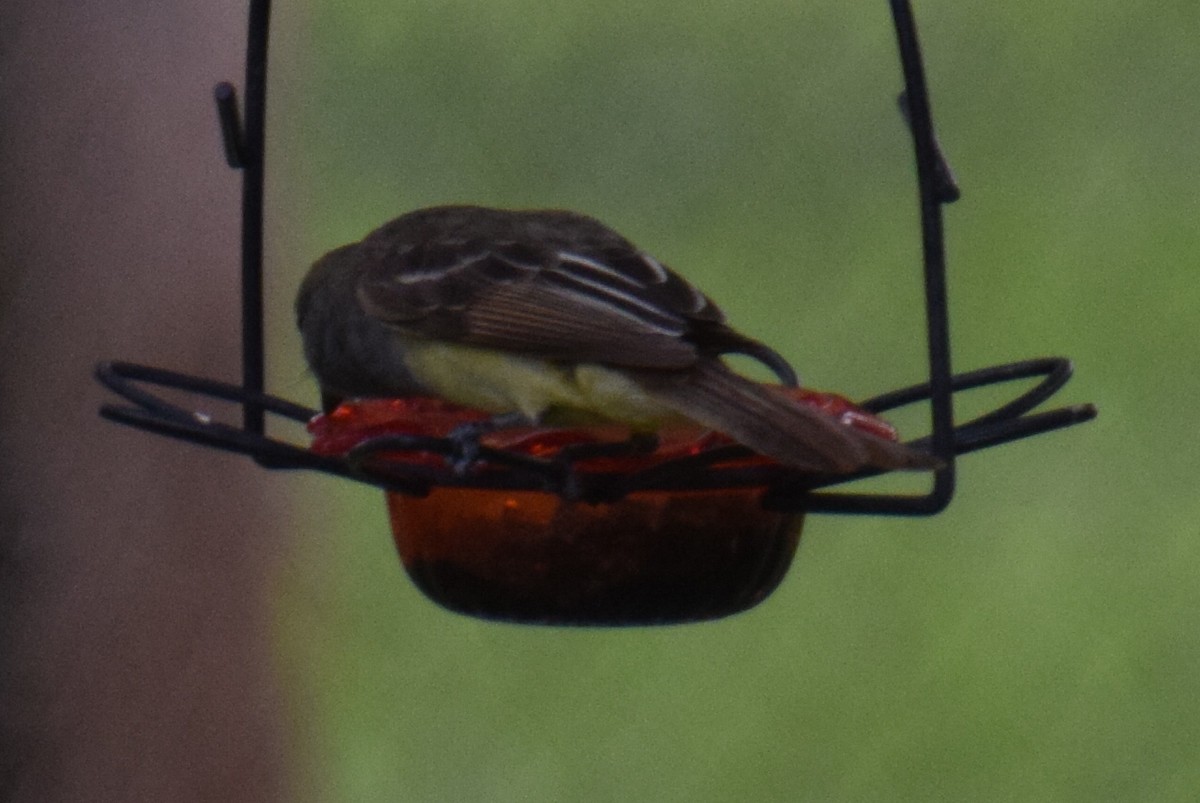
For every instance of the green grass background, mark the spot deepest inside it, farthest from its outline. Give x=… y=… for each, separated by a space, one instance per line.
x=1037 y=641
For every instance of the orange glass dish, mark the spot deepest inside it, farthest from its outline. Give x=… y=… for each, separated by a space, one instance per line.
x=652 y=557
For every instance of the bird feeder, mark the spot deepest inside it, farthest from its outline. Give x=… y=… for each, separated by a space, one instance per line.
x=591 y=525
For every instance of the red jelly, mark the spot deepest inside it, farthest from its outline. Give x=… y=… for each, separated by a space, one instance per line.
x=654 y=557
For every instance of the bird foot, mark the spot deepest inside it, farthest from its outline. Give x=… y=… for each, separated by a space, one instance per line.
x=465 y=439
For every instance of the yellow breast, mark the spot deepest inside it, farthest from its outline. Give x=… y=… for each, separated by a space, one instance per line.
x=543 y=390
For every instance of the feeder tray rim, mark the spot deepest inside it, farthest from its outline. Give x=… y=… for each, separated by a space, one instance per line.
x=782 y=487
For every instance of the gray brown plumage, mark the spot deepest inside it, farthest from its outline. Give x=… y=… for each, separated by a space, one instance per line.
x=469 y=303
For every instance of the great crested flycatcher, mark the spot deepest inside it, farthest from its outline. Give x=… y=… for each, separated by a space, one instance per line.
x=552 y=315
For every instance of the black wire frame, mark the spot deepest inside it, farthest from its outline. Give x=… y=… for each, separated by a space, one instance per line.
x=244 y=144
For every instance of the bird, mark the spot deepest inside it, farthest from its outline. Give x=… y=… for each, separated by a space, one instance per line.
x=549 y=316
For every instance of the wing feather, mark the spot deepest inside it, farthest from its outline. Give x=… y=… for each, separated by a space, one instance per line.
x=605 y=302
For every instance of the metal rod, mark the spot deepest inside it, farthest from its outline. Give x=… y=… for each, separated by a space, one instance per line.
x=231 y=124
x=253 y=160
x=932 y=239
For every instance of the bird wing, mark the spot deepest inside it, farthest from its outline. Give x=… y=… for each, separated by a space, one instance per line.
x=611 y=304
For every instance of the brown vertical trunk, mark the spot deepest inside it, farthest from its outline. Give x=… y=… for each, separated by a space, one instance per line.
x=135 y=646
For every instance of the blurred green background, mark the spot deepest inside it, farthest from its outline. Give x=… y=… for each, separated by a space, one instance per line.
x=1037 y=641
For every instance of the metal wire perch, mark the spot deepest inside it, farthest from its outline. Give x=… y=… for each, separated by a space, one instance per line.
x=244 y=144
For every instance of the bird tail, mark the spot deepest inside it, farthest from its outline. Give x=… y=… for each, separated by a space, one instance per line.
x=771 y=423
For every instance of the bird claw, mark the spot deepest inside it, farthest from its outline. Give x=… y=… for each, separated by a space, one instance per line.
x=465 y=452
x=465 y=439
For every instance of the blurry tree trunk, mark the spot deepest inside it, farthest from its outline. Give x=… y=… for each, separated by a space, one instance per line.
x=135 y=624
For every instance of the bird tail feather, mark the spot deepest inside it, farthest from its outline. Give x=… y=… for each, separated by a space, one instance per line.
x=772 y=423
